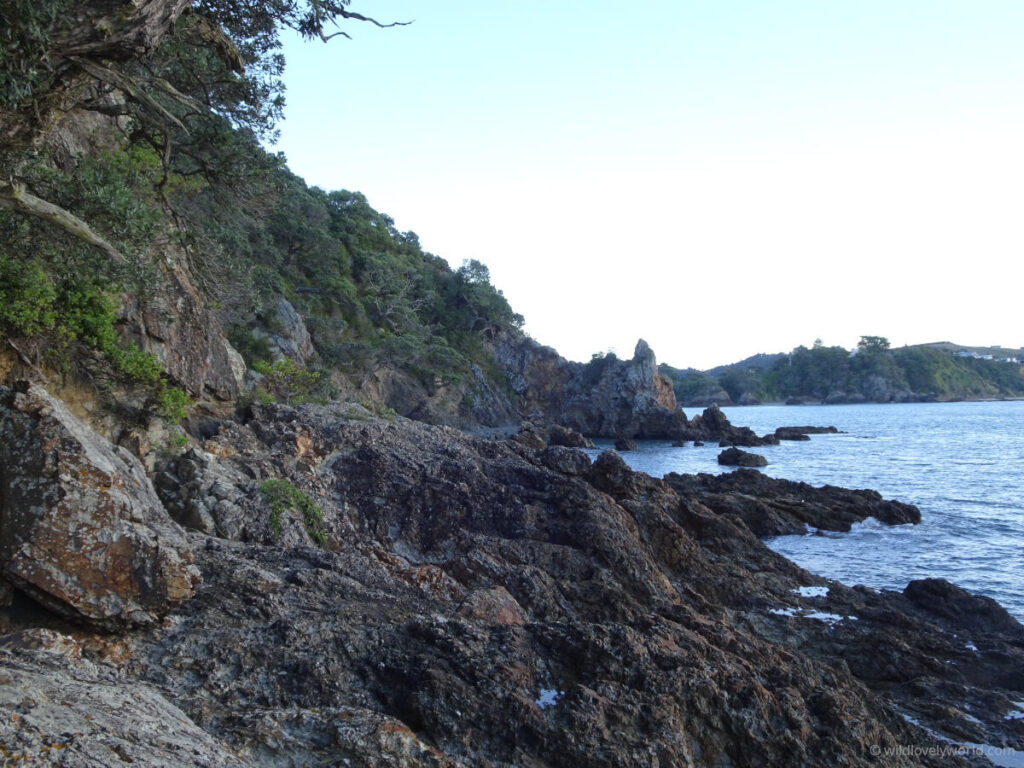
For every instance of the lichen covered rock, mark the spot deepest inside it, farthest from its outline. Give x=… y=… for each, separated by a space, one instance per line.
x=81 y=528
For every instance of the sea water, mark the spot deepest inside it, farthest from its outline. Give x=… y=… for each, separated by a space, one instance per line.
x=960 y=463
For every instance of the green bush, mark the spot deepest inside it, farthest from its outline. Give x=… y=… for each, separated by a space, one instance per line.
x=286 y=382
x=282 y=496
x=27 y=298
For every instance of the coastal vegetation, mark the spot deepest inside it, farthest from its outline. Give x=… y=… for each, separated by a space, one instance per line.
x=156 y=177
x=872 y=372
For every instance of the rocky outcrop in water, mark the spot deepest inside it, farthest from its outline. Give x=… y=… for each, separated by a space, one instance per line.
x=771 y=506
x=803 y=433
x=81 y=529
x=734 y=457
x=461 y=601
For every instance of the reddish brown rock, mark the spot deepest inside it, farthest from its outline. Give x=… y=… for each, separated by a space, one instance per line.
x=81 y=528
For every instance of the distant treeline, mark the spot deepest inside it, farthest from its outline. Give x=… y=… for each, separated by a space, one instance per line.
x=873 y=372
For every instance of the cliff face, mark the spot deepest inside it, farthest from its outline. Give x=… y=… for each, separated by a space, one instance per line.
x=605 y=398
x=427 y=598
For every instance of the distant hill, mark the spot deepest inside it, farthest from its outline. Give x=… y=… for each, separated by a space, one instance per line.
x=996 y=352
x=760 y=361
x=872 y=373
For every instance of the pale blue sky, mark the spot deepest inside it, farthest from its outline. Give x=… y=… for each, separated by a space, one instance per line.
x=719 y=178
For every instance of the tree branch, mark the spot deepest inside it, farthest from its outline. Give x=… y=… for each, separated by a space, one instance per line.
x=136 y=90
x=17 y=198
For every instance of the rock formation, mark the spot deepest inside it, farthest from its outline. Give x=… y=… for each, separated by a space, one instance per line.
x=490 y=602
x=81 y=528
x=771 y=506
x=734 y=457
x=607 y=397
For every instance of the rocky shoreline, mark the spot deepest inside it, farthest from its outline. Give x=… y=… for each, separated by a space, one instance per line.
x=430 y=598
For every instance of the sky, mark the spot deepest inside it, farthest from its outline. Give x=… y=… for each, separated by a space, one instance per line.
x=717 y=178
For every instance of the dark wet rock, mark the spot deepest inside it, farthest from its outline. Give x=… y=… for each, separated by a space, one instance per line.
x=959 y=607
x=81 y=529
x=788 y=433
x=734 y=457
x=774 y=507
x=569 y=437
x=568 y=461
x=622 y=444
x=803 y=433
x=712 y=426
x=530 y=437
x=474 y=606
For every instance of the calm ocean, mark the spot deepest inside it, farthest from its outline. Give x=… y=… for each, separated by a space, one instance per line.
x=961 y=463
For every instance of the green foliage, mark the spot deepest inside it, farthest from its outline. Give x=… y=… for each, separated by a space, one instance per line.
x=282 y=496
x=253 y=349
x=59 y=289
x=873 y=344
x=27 y=298
x=25 y=29
x=253 y=232
x=176 y=441
x=690 y=384
x=738 y=382
x=285 y=381
x=873 y=373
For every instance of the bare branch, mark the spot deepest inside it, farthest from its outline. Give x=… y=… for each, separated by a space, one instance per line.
x=14 y=196
x=359 y=17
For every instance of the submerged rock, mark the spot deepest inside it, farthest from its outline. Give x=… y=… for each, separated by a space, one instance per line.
x=81 y=528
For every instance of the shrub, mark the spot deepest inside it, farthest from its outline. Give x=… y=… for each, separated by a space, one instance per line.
x=285 y=381
x=282 y=496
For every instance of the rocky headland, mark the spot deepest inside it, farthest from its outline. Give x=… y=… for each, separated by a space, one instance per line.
x=383 y=592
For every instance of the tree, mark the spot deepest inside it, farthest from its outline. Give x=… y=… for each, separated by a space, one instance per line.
x=179 y=74
x=873 y=344
x=473 y=271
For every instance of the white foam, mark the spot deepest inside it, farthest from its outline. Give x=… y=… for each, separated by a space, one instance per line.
x=811 y=591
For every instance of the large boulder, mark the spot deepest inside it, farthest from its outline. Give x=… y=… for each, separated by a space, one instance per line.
x=81 y=528
x=734 y=457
